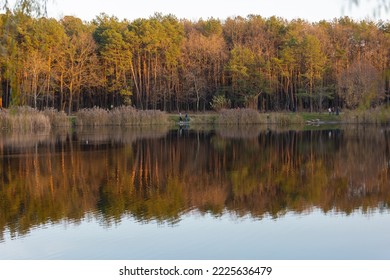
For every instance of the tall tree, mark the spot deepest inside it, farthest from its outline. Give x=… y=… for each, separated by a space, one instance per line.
x=115 y=53
x=313 y=65
x=80 y=61
x=203 y=61
x=245 y=75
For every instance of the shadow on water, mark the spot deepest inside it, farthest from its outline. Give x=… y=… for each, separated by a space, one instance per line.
x=159 y=175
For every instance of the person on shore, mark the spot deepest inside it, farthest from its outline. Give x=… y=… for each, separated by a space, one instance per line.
x=180 y=118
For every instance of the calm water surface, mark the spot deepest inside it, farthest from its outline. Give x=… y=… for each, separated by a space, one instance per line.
x=228 y=193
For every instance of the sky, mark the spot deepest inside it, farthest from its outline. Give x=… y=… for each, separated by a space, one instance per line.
x=311 y=10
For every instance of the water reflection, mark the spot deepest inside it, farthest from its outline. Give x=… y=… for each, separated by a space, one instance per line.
x=160 y=175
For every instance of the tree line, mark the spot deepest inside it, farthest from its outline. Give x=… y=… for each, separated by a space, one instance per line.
x=170 y=64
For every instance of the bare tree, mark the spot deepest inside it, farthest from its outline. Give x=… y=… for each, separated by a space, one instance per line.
x=361 y=85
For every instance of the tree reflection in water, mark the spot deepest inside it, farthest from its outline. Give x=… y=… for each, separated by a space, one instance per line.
x=160 y=175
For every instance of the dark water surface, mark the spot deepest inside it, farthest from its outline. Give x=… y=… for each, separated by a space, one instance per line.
x=228 y=193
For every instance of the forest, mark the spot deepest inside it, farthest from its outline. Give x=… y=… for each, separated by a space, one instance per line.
x=170 y=64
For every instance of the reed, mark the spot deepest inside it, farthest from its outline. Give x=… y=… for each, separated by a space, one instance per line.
x=92 y=117
x=57 y=118
x=129 y=116
x=238 y=116
x=152 y=117
x=121 y=116
x=24 y=119
x=283 y=119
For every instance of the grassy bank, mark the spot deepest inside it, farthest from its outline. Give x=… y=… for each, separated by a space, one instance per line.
x=247 y=116
x=29 y=120
x=372 y=116
x=26 y=119
x=321 y=117
x=128 y=116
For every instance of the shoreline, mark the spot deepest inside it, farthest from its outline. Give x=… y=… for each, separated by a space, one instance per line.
x=26 y=119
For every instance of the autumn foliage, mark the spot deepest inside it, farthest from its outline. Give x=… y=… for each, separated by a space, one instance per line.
x=163 y=63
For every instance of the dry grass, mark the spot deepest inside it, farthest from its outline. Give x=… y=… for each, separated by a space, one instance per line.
x=283 y=118
x=129 y=116
x=24 y=119
x=121 y=116
x=238 y=116
x=374 y=116
x=92 y=117
x=56 y=118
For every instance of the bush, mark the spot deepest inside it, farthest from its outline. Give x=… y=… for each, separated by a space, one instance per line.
x=220 y=102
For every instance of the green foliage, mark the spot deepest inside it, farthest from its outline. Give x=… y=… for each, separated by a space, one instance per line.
x=115 y=52
x=210 y=27
x=243 y=68
x=322 y=117
x=220 y=102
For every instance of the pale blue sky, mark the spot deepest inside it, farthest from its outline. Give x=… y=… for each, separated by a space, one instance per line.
x=311 y=10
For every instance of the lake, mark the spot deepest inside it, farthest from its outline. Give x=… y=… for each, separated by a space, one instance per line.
x=248 y=192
